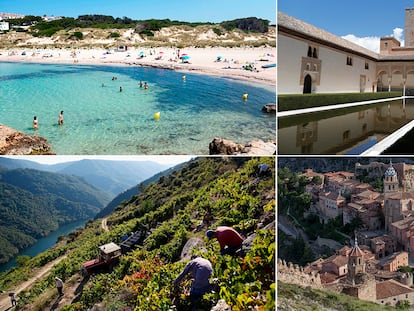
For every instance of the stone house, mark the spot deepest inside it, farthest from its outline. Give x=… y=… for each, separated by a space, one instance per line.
x=394 y=261
x=390 y=292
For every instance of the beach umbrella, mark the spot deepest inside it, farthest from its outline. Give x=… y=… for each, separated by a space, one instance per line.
x=141 y=53
x=185 y=57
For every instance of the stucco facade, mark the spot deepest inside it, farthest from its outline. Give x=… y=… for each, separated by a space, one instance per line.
x=339 y=65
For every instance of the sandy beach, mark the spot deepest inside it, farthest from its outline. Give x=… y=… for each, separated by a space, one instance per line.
x=201 y=60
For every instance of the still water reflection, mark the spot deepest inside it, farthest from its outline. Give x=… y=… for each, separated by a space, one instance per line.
x=343 y=131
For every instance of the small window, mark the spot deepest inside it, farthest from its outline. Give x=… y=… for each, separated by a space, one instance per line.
x=366 y=65
x=315 y=54
x=349 y=61
x=315 y=67
x=386 y=44
x=308 y=66
x=310 y=51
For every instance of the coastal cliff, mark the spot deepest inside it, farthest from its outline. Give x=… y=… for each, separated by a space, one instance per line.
x=13 y=142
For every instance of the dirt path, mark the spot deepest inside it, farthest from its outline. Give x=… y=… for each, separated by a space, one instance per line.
x=71 y=290
x=37 y=274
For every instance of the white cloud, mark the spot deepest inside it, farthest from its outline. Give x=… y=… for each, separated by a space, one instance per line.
x=398 y=33
x=373 y=43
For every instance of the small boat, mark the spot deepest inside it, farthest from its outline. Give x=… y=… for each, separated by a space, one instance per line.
x=269 y=66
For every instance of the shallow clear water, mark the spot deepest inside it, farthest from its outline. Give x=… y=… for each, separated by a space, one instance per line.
x=102 y=120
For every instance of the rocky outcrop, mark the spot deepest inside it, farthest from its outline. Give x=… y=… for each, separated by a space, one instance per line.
x=224 y=146
x=269 y=108
x=221 y=306
x=13 y=142
x=228 y=147
x=192 y=243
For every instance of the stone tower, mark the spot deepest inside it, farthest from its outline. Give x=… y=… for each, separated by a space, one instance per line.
x=409 y=27
x=390 y=181
x=356 y=263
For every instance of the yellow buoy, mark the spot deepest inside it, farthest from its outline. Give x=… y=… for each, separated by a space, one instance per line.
x=157 y=115
x=245 y=96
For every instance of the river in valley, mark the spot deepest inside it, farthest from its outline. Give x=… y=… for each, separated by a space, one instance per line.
x=44 y=243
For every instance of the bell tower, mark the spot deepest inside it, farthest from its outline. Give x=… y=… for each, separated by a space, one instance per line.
x=409 y=27
x=390 y=181
x=356 y=263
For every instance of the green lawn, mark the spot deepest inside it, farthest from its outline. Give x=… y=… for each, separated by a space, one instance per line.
x=300 y=101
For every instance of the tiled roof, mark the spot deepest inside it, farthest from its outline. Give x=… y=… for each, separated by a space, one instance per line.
x=402 y=196
x=391 y=288
x=356 y=252
x=311 y=31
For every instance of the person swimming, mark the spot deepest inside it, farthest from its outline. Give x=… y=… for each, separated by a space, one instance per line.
x=60 y=120
x=146 y=85
x=35 y=122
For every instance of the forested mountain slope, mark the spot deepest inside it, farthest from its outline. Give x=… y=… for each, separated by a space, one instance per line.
x=33 y=203
x=127 y=194
x=205 y=193
x=112 y=177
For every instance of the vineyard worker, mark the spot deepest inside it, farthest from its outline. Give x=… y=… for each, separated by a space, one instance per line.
x=229 y=239
x=201 y=271
x=59 y=286
x=13 y=299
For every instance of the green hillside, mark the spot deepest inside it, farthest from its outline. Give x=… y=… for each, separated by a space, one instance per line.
x=33 y=203
x=294 y=297
x=205 y=193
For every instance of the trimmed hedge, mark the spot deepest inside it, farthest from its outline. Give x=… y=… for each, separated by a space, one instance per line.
x=301 y=101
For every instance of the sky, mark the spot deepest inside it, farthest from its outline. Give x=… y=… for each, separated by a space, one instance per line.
x=53 y=159
x=189 y=11
x=360 y=21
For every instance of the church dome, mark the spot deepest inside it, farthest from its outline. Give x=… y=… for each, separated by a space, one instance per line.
x=390 y=171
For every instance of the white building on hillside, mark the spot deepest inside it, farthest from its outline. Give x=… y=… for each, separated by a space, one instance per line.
x=4 y=26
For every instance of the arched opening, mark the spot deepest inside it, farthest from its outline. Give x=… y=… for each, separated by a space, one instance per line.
x=307 y=85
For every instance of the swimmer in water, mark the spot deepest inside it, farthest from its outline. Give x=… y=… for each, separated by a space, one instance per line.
x=60 y=120
x=35 y=123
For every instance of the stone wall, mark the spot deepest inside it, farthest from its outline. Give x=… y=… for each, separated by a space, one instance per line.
x=294 y=274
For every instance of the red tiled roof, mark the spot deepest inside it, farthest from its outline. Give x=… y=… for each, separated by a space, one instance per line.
x=391 y=288
x=356 y=252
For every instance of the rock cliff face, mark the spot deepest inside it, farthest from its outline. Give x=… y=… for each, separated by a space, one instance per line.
x=13 y=142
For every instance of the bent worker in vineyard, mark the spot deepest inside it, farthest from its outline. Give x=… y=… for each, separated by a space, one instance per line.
x=59 y=286
x=229 y=239
x=201 y=271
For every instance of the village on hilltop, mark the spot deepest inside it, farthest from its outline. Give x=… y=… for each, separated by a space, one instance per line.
x=370 y=267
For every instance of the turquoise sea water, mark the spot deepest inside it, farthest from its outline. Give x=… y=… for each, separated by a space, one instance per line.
x=99 y=119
